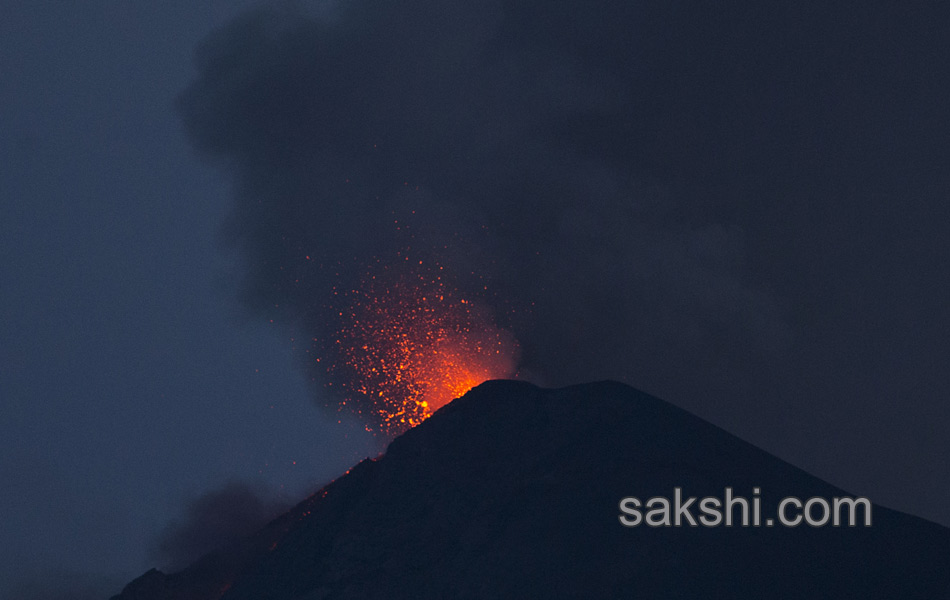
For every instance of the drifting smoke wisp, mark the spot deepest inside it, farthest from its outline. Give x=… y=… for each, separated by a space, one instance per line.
x=215 y=520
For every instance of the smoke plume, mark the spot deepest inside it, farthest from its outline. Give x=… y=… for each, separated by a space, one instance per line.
x=674 y=194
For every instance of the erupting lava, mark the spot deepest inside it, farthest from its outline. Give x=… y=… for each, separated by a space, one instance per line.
x=407 y=343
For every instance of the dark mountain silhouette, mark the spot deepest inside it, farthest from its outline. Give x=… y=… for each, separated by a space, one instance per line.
x=512 y=491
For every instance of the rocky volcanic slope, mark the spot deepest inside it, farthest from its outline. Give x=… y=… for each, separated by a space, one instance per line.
x=512 y=492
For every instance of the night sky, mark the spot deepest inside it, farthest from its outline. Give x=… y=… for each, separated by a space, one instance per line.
x=741 y=210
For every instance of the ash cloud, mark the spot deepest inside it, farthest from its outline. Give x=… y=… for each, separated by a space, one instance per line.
x=520 y=149
x=720 y=205
x=214 y=520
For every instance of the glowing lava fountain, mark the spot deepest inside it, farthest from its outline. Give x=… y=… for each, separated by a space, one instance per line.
x=408 y=343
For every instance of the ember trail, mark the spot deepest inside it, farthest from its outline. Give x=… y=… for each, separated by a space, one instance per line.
x=408 y=343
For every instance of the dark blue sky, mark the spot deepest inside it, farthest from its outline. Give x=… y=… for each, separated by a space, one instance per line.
x=740 y=210
x=130 y=381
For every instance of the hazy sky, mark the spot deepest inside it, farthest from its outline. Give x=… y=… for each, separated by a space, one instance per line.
x=130 y=380
x=740 y=210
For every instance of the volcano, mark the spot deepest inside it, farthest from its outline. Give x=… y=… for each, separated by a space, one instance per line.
x=513 y=491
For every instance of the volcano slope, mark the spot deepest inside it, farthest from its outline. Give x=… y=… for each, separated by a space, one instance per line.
x=512 y=491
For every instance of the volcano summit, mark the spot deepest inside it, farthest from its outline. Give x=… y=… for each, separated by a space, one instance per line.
x=512 y=491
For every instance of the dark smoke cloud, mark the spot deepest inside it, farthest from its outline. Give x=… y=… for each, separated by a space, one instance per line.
x=511 y=148
x=214 y=520
x=727 y=206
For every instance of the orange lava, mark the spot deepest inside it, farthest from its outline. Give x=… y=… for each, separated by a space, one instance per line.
x=407 y=343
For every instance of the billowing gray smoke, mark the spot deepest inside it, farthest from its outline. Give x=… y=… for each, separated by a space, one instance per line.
x=515 y=148
x=699 y=200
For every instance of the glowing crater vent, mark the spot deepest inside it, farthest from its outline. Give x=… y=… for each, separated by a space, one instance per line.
x=408 y=343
